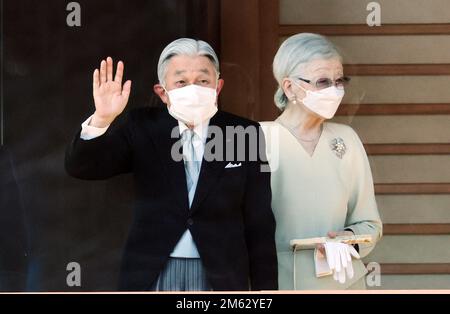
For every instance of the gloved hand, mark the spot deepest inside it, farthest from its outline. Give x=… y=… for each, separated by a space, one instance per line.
x=339 y=259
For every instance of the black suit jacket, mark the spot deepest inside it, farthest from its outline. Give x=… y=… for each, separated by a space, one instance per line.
x=230 y=219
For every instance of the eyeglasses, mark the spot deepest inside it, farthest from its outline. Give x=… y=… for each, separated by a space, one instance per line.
x=326 y=82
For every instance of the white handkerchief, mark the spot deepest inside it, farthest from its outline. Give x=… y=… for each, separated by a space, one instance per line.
x=232 y=165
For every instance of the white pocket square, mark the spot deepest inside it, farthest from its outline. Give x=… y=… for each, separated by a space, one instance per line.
x=232 y=165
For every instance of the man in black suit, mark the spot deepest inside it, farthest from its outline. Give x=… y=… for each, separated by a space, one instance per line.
x=203 y=217
x=13 y=236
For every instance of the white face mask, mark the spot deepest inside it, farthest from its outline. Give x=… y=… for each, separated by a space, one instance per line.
x=192 y=104
x=324 y=102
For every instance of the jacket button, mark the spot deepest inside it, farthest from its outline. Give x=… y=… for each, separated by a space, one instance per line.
x=190 y=221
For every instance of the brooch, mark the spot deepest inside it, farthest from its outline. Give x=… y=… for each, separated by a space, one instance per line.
x=338 y=146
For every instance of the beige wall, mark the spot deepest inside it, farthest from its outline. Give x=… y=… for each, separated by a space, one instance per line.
x=385 y=49
x=400 y=129
x=411 y=249
x=402 y=282
x=411 y=169
x=397 y=209
x=398 y=89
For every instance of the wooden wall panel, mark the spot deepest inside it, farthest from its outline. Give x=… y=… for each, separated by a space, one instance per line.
x=249 y=43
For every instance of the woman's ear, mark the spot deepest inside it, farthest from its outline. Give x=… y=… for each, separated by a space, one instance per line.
x=287 y=85
x=161 y=92
x=291 y=90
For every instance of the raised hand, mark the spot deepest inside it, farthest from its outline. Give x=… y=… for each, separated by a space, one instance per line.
x=110 y=96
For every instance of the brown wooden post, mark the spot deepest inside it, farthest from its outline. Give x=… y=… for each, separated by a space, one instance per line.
x=249 y=40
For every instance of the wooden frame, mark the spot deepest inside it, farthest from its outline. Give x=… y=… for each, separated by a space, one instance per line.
x=365 y=30
x=394 y=109
x=415 y=268
x=408 y=149
x=412 y=188
x=396 y=69
x=411 y=229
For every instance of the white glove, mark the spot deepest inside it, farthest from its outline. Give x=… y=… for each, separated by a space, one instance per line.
x=339 y=258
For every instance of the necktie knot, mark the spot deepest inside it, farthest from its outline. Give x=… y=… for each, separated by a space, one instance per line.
x=188 y=135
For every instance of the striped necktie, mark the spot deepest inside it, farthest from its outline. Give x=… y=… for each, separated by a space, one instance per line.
x=191 y=163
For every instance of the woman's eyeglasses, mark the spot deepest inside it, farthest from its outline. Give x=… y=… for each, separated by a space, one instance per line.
x=326 y=82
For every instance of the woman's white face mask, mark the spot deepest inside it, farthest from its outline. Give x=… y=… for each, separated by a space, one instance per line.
x=192 y=104
x=324 y=102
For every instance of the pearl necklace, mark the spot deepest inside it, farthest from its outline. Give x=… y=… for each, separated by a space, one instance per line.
x=298 y=137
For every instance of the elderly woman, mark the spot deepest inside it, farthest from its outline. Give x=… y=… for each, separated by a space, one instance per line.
x=321 y=180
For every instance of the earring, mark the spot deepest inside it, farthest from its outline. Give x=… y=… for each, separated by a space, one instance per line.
x=294 y=100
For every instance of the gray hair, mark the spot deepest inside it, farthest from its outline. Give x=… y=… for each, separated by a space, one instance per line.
x=295 y=51
x=185 y=46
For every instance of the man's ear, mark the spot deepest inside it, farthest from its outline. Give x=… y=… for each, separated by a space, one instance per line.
x=161 y=92
x=220 y=84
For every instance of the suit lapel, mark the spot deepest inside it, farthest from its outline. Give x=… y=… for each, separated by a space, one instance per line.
x=162 y=129
x=210 y=170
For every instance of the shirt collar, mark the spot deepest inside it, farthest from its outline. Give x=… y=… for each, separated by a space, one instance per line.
x=201 y=130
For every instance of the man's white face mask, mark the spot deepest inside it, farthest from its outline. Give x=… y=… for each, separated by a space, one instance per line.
x=192 y=104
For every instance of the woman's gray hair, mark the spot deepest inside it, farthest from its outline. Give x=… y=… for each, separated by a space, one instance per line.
x=185 y=46
x=297 y=50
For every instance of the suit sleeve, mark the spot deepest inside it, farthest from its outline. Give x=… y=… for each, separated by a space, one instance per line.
x=260 y=223
x=104 y=156
x=363 y=216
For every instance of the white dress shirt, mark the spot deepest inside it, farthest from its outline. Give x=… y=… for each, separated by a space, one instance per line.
x=186 y=247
